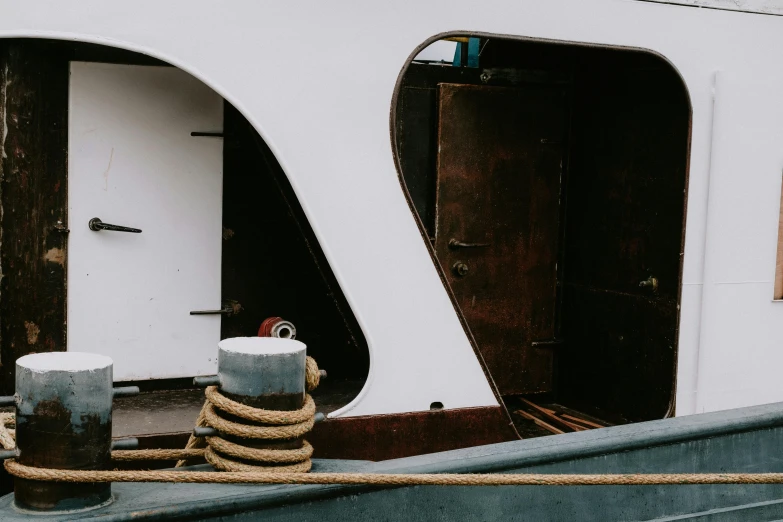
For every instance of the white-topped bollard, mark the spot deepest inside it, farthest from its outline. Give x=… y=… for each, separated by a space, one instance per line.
x=63 y=421
x=262 y=372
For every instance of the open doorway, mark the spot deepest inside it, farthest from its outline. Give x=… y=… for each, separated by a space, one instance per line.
x=210 y=224
x=549 y=180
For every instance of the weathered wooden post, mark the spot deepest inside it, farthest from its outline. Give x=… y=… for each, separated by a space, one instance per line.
x=63 y=421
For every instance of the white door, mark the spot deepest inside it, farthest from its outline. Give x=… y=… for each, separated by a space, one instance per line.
x=133 y=162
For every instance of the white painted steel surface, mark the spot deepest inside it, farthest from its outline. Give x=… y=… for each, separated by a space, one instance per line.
x=133 y=162
x=771 y=7
x=326 y=117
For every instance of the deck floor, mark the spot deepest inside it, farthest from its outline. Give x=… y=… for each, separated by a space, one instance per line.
x=175 y=411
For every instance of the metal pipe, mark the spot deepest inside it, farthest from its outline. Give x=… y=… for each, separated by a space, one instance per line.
x=129 y=443
x=8 y=400
x=205 y=431
x=63 y=421
x=207 y=380
x=277 y=327
x=9 y=454
x=125 y=391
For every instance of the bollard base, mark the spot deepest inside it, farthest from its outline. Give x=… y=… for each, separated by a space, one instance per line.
x=50 y=497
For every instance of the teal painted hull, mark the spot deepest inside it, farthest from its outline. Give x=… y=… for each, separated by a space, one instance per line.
x=742 y=440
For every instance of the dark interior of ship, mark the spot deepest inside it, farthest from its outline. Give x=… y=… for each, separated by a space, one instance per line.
x=549 y=181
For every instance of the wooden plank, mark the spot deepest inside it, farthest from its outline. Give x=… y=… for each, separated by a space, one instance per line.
x=34 y=79
x=552 y=415
x=582 y=421
x=536 y=406
x=573 y=426
x=538 y=421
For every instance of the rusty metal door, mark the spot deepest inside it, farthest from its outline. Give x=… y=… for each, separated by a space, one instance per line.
x=500 y=161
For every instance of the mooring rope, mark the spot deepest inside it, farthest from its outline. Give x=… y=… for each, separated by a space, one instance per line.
x=389 y=479
x=276 y=466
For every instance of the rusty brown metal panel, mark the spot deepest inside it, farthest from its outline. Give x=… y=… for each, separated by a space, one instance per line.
x=499 y=172
x=379 y=437
x=382 y=437
x=34 y=79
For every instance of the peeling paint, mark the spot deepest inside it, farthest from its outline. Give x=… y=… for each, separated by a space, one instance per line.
x=55 y=255
x=4 y=83
x=4 y=111
x=32 y=332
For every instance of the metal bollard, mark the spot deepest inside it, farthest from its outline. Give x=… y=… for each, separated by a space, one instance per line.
x=63 y=421
x=263 y=372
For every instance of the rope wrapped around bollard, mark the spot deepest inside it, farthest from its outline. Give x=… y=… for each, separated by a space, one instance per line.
x=277 y=425
x=295 y=463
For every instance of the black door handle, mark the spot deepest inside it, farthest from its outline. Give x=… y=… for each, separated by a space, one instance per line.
x=222 y=311
x=96 y=224
x=230 y=307
x=455 y=244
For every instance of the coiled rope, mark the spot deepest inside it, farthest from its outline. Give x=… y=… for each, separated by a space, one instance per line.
x=275 y=425
x=273 y=466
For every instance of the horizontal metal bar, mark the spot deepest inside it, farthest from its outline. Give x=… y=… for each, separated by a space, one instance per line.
x=225 y=311
x=8 y=400
x=206 y=380
x=130 y=443
x=550 y=343
x=126 y=391
x=9 y=454
x=205 y=431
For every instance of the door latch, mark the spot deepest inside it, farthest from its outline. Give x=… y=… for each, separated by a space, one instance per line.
x=229 y=308
x=222 y=311
x=96 y=225
x=651 y=283
x=454 y=244
x=460 y=269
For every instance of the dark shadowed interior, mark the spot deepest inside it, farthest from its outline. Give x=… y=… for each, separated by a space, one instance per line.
x=550 y=181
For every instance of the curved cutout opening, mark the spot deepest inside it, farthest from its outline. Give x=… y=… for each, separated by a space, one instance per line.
x=549 y=180
x=264 y=259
